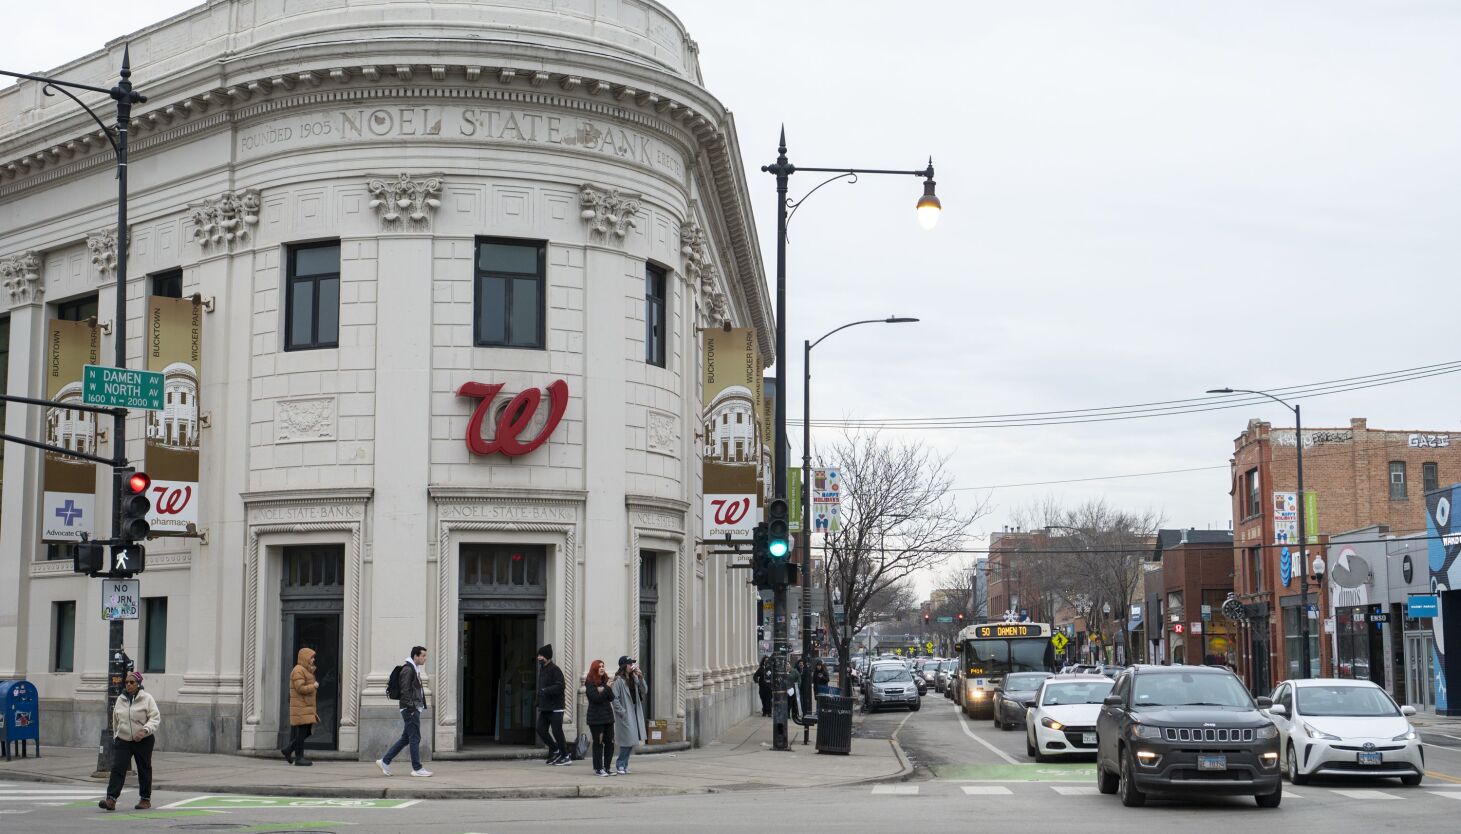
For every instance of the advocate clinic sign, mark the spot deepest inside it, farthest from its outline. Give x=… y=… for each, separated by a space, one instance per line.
x=733 y=433
x=174 y=349
x=69 y=503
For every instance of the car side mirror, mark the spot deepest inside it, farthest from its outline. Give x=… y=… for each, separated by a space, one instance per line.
x=1277 y=709
x=1114 y=701
x=1407 y=710
x=1264 y=702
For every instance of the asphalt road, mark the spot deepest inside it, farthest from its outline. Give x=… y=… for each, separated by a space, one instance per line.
x=967 y=773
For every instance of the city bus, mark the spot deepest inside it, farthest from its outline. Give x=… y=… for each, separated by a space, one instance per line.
x=989 y=651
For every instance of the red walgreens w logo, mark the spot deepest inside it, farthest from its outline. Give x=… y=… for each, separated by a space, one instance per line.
x=729 y=513
x=171 y=501
x=519 y=412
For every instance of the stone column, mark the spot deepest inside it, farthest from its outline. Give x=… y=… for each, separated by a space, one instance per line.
x=20 y=504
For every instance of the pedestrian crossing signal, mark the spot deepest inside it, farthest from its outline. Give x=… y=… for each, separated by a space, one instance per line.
x=128 y=560
x=86 y=558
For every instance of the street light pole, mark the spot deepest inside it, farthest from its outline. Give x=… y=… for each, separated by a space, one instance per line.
x=1303 y=543
x=928 y=208
x=806 y=507
x=125 y=97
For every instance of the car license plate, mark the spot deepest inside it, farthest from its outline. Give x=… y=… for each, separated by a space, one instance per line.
x=1212 y=762
x=1371 y=759
x=1088 y=738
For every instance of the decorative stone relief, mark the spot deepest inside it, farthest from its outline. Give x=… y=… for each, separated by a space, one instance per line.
x=694 y=250
x=608 y=212
x=702 y=272
x=222 y=221
x=103 y=247
x=418 y=199
x=303 y=420
x=662 y=437
x=21 y=275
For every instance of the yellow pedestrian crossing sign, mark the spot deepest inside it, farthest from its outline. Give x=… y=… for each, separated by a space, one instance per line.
x=1060 y=641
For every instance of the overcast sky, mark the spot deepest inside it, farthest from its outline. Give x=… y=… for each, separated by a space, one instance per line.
x=1142 y=200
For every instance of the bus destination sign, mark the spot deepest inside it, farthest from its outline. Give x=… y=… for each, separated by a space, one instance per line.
x=1008 y=630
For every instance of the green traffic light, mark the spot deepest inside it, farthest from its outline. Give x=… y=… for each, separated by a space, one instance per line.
x=778 y=548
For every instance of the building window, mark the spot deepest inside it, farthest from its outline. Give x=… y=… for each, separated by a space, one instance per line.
x=654 y=315
x=77 y=309
x=1429 y=472
x=1255 y=570
x=510 y=308
x=312 y=309
x=1397 y=480
x=1250 y=493
x=1293 y=642
x=63 y=616
x=154 y=646
x=168 y=284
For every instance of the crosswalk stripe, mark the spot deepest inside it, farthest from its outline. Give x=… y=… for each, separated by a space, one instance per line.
x=987 y=790
x=1072 y=790
x=1450 y=794
x=895 y=790
x=1363 y=794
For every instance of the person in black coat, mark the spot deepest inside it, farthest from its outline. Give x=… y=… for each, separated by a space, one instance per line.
x=763 y=683
x=600 y=716
x=550 y=708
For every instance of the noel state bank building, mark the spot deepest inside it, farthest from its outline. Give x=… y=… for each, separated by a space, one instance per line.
x=427 y=283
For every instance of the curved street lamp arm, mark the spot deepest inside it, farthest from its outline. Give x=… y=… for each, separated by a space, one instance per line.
x=793 y=205
x=1259 y=393
x=844 y=327
x=52 y=87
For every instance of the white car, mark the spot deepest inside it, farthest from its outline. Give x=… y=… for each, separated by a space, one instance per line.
x=1338 y=727
x=1063 y=720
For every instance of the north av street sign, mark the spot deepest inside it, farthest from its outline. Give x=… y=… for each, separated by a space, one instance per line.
x=122 y=387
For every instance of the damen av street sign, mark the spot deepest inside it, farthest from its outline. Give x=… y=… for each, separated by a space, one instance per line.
x=124 y=387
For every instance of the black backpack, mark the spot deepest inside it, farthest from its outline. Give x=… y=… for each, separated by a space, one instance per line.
x=393 y=684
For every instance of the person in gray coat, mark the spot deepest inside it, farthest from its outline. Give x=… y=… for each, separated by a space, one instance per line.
x=629 y=694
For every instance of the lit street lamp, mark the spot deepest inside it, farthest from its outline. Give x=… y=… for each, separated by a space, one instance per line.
x=1303 y=534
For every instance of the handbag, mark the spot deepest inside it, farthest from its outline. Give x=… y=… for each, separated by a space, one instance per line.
x=580 y=747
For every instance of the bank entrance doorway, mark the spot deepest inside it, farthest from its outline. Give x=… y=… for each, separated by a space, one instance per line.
x=502 y=600
x=311 y=604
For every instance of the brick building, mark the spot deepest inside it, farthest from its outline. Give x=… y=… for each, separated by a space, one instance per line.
x=1358 y=476
x=1187 y=624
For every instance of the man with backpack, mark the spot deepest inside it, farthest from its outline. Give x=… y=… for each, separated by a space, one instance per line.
x=405 y=687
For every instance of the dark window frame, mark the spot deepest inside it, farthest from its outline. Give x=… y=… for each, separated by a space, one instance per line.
x=1398 y=489
x=291 y=279
x=163 y=283
x=1252 y=493
x=1430 y=475
x=656 y=317
x=72 y=308
x=479 y=274
x=59 y=611
x=154 y=657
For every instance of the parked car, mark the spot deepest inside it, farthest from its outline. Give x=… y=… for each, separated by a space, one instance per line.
x=942 y=674
x=1014 y=695
x=1063 y=720
x=1189 y=729
x=1081 y=669
x=891 y=685
x=1343 y=727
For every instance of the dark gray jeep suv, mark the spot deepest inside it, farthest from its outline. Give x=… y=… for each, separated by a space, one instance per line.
x=1185 y=729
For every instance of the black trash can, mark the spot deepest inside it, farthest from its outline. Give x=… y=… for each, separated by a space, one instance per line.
x=834 y=724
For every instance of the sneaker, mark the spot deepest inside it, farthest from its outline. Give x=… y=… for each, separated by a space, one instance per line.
x=622 y=771
x=562 y=761
x=605 y=773
x=421 y=772
x=384 y=768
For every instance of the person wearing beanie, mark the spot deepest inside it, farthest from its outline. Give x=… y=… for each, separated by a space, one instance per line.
x=135 y=720
x=550 y=708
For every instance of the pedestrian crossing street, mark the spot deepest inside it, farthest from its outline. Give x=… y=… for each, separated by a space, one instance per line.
x=1325 y=794
x=18 y=798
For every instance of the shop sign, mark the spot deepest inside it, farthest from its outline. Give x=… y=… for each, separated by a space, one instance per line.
x=517 y=416
x=1422 y=605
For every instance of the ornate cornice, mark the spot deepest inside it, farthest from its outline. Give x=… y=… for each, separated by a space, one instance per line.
x=608 y=211
x=21 y=275
x=223 y=221
x=403 y=198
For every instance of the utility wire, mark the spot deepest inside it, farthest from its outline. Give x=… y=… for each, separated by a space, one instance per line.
x=1077 y=551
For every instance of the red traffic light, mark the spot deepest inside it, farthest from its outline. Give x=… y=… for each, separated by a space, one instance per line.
x=138 y=483
x=961 y=616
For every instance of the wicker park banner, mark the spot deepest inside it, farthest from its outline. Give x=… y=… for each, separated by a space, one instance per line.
x=732 y=425
x=69 y=503
x=174 y=349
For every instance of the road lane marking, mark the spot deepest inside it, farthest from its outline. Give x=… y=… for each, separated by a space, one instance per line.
x=986 y=790
x=1365 y=794
x=1443 y=777
x=1451 y=794
x=895 y=790
x=964 y=722
x=1071 y=790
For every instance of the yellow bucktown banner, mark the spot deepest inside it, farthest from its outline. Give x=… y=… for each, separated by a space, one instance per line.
x=732 y=428
x=174 y=349
x=69 y=503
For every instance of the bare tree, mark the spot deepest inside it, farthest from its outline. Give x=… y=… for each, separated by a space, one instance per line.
x=898 y=517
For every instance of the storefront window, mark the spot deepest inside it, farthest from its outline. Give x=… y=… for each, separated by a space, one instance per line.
x=1358 y=645
x=1293 y=644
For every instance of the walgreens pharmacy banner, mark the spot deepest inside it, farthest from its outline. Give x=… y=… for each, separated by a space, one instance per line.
x=732 y=428
x=69 y=502
x=174 y=349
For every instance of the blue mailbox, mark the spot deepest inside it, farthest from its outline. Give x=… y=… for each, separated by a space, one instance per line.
x=20 y=717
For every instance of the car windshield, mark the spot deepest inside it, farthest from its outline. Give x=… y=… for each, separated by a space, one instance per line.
x=1024 y=681
x=1345 y=700
x=949 y=665
x=888 y=674
x=1189 y=689
x=1083 y=692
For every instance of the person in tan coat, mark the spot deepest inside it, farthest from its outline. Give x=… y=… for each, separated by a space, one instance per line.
x=135 y=721
x=302 y=715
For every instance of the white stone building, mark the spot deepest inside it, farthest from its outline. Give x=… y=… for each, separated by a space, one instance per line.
x=379 y=202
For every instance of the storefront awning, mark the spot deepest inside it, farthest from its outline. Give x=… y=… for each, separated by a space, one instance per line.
x=1135 y=624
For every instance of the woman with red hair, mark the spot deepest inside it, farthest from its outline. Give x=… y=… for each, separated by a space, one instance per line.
x=600 y=716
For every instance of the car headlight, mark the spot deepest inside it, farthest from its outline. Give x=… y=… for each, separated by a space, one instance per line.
x=1146 y=731
x=1408 y=735
x=1315 y=733
x=1052 y=724
x=1267 y=731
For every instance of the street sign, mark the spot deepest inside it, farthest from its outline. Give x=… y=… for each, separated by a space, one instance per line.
x=1060 y=641
x=946 y=619
x=124 y=387
x=120 y=598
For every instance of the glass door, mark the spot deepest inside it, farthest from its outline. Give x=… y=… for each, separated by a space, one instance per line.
x=1419 y=676
x=320 y=632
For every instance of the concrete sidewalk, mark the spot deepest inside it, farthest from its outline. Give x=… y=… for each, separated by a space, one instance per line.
x=741 y=759
x=1446 y=727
